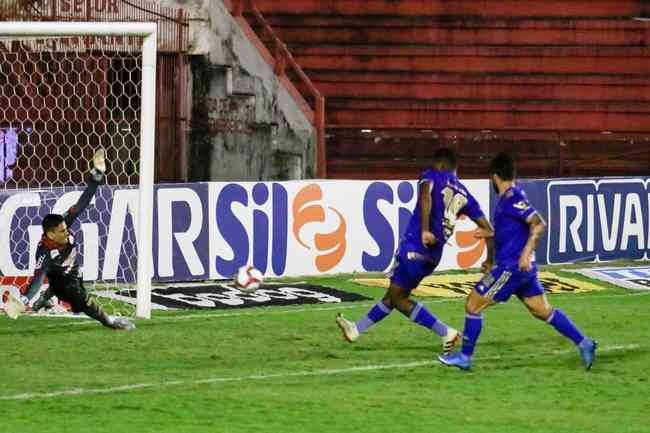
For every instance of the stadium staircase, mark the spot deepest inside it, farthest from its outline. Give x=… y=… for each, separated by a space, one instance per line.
x=563 y=83
x=289 y=73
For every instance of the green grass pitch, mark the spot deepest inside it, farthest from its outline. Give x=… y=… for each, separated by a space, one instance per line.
x=287 y=369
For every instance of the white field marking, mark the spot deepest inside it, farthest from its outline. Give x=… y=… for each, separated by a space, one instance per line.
x=337 y=307
x=304 y=373
x=332 y=307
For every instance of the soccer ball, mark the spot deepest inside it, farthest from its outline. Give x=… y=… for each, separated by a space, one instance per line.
x=248 y=278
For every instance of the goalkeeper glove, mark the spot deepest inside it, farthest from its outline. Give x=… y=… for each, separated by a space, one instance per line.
x=99 y=165
x=14 y=306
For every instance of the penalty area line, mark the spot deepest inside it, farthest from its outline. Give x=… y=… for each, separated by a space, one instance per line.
x=271 y=375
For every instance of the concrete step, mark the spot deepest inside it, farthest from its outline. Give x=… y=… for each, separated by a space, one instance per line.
x=634 y=63
x=479 y=105
x=417 y=31
x=334 y=22
x=488 y=8
x=483 y=92
x=369 y=78
x=556 y=121
x=471 y=166
x=477 y=51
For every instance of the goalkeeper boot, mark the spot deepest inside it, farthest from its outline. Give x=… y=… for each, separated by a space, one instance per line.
x=456 y=359
x=349 y=329
x=451 y=340
x=588 y=352
x=122 y=324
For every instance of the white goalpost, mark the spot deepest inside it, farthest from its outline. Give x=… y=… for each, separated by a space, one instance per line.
x=66 y=89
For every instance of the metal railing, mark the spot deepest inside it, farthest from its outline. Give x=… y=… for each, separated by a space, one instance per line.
x=281 y=59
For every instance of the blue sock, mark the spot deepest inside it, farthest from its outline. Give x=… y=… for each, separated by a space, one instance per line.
x=378 y=312
x=473 y=327
x=422 y=316
x=565 y=326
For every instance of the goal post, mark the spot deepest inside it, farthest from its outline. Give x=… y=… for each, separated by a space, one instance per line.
x=147 y=35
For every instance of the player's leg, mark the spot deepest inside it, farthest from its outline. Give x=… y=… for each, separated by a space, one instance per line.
x=532 y=295
x=352 y=330
x=418 y=313
x=81 y=302
x=474 y=306
x=413 y=265
x=92 y=309
x=43 y=300
x=378 y=312
x=497 y=286
x=406 y=274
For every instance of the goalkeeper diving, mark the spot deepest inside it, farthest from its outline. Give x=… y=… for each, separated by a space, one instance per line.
x=56 y=259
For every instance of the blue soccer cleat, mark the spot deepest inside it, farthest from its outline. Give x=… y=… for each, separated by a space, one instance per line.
x=456 y=359
x=588 y=352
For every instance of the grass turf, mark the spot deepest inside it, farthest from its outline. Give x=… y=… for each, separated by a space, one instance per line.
x=287 y=369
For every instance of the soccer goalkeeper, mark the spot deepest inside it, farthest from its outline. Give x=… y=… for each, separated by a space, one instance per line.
x=56 y=258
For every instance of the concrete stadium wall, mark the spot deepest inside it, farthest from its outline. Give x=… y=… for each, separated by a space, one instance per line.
x=245 y=125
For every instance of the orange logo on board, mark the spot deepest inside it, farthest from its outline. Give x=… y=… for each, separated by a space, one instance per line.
x=471 y=248
x=308 y=209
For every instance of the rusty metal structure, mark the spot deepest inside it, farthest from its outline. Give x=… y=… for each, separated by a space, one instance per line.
x=172 y=115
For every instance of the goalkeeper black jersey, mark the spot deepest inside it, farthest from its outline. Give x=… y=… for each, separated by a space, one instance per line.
x=59 y=262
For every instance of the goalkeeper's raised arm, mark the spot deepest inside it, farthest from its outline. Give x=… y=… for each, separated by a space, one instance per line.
x=95 y=178
x=56 y=236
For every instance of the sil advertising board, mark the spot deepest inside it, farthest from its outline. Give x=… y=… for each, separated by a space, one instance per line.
x=207 y=230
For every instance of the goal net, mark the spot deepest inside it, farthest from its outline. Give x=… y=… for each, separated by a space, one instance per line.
x=67 y=90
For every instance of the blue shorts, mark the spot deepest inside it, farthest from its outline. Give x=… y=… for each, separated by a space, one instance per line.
x=502 y=282
x=412 y=263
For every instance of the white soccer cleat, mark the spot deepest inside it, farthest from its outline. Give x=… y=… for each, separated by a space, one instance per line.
x=14 y=307
x=451 y=340
x=349 y=329
x=122 y=324
x=99 y=160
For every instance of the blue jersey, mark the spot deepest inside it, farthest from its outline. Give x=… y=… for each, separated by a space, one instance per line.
x=511 y=227
x=449 y=200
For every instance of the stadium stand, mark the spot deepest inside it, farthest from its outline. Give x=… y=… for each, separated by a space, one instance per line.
x=562 y=83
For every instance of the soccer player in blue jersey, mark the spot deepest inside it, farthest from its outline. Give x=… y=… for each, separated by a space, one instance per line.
x=518 y=228
x=441 y=200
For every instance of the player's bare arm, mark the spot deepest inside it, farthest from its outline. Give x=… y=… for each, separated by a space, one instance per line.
x=537 y=228
x=428 y=238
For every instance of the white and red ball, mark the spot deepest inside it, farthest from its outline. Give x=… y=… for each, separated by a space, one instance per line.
x=248 y=278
